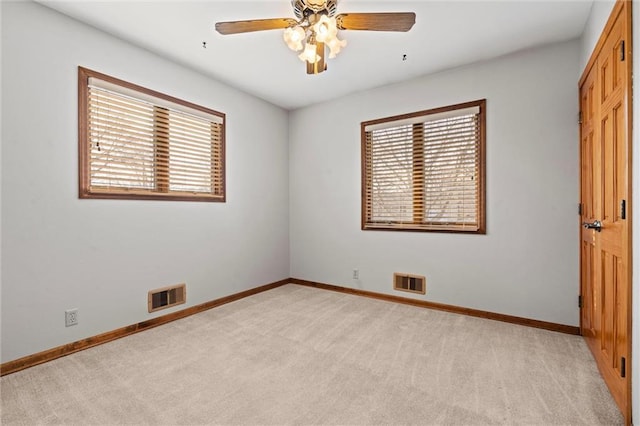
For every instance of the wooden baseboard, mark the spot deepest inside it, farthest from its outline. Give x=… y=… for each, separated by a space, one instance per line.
x=561 y=328
x=60 y=351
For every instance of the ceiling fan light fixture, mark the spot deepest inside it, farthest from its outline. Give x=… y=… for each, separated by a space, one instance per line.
x=294 y=36
x=316 y=28
x=335 y=46
x=325 y=29
x=309 y=54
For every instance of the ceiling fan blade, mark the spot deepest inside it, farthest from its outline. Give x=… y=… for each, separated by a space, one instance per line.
x=235 y=27
x=400 y=21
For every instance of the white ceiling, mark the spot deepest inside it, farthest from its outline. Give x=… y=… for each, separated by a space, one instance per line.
x=446 y=34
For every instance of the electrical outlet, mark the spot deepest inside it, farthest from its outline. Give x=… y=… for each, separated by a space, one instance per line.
x=71 y=317
x=356 y=274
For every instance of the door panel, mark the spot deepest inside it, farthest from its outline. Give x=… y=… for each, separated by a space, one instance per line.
x=608 y=283
x=604 y=190
x=621 y=320
x=588 y=308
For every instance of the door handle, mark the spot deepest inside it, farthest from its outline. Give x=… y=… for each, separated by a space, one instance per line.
x=597 y=225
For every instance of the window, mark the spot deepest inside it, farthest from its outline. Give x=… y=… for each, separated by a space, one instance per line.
x=425 y=171
x=140 y=144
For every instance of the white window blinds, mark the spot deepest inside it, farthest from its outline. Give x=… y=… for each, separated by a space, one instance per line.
x=141 y=144
x=424 y=171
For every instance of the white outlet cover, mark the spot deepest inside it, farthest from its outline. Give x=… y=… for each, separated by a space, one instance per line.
x=70 y=317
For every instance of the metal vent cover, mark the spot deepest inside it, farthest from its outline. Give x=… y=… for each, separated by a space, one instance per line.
x=166 y=297
x=410 y=283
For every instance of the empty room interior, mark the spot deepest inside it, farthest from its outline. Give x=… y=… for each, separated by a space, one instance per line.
x=319 y=212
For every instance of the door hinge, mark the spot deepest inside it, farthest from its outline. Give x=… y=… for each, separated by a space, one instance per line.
x=580 y=301
x=622 y=50
x=580 y=209
x=623 y=367
x=623 y=209
x=580 y=117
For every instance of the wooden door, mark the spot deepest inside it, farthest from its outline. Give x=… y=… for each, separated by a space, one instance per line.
x=605 y=105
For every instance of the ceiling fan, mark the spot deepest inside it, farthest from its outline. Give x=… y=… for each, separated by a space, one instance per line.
x=316 y=28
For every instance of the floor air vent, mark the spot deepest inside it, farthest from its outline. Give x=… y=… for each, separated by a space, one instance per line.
x=410 y=283
x=167 y=297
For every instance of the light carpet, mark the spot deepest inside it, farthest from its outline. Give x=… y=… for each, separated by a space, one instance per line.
x=299 y=355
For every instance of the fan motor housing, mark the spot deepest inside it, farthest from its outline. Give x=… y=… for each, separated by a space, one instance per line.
x=303 y=8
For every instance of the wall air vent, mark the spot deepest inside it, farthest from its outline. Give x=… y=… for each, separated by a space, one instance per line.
x=410 y=283
x=167 y=297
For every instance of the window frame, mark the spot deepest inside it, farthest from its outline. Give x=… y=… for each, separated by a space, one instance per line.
x=423 y=226
x=84 y=150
